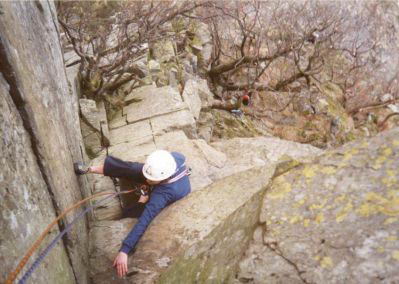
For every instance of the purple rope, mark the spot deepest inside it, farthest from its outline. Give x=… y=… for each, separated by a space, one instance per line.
x=45 y=252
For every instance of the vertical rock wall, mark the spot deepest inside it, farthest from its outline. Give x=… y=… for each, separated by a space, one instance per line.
x=40 y=140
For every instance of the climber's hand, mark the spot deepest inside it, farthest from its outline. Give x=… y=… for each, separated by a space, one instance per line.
x=143 y=198
x=120 y=263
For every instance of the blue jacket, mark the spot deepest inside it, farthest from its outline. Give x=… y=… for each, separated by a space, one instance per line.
x=162 y=195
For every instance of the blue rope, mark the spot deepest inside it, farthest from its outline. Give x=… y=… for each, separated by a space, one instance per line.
x=44 y=253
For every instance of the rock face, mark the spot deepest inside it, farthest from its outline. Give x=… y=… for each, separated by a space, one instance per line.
x=94 y=126
x=332 y=221
x=204 y=234
x=40 y=140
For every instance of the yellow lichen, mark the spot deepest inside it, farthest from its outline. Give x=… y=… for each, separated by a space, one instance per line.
x=387 y=152
x=319 y=218
x=393 y=193
x=328 y=170
x=379 y=161
x=280 y=188
x=306 y=222
x=344 y=212
x=375 y=203
x=380 y=249
x=300 y=202
x=318 y=206
x=340 y=198
x=295 y=219
x=367 y=209
x=395 y=255
x=309 y=172
x=395 y=142
x=392 y=238
x=364 y=144
x=390 y=220
x=326 y=262
x=349 y=154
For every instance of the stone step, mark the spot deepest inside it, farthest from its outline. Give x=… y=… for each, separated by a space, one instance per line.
x=150 y=101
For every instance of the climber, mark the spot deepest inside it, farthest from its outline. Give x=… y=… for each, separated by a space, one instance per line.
x=245 y=100
x=164 y=171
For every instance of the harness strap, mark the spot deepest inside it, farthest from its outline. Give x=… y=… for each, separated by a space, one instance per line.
x=184 y=173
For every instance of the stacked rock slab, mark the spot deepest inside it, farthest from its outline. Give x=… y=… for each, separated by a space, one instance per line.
x=331 y=221
x=40 y=140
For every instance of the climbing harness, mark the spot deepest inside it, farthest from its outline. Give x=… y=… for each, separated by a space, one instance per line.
x=37 y=243
x=184 y=173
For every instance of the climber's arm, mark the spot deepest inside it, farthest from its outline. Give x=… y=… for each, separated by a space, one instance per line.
x=157 y=202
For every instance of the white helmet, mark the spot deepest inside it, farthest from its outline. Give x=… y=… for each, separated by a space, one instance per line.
x=159 y=165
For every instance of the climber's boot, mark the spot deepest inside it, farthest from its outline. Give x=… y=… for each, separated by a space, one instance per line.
x=80 y=168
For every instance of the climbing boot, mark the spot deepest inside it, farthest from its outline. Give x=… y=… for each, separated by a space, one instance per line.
x=80 y=168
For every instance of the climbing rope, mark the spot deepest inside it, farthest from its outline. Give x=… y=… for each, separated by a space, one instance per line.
x=44 y=253
x=39 y=240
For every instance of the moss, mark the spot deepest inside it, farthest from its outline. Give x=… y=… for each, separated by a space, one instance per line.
x=178 y=25
x=90 y=153
x=285 y=165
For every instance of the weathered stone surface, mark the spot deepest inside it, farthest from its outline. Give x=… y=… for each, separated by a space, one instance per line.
x=245 y=153
x=205 y=125
x=94 y=124
x=139 y=133
x=32 y=64
x=163 y=50
x=118 y=120
x=26 y=207
x=334 y=220
x=227 y=126
x=192 y=98
x=152 y=101
x=210 y=230
x=109 y=210
x=154 y=66
x=213 y=157
x=105 y=239
x=179 y=120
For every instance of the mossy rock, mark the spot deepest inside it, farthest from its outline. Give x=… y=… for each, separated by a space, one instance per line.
x=227 y=125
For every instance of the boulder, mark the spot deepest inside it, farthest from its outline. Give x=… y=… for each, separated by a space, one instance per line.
x=331 y=221
x=245 y=153
x=205 y=125
x=227 y=125
x=191 y=97
x=202 y=235
x=94 y=125
x=163 y=50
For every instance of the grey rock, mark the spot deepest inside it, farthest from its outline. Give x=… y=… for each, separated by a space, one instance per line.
x=94 y=125
x=192 y=98
x=334 y=219
x=152 y=101
x=136 y=133
x=31 y=53
x=179 y=120
x=26 y=207
x=163 y=50
x=210 y=230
